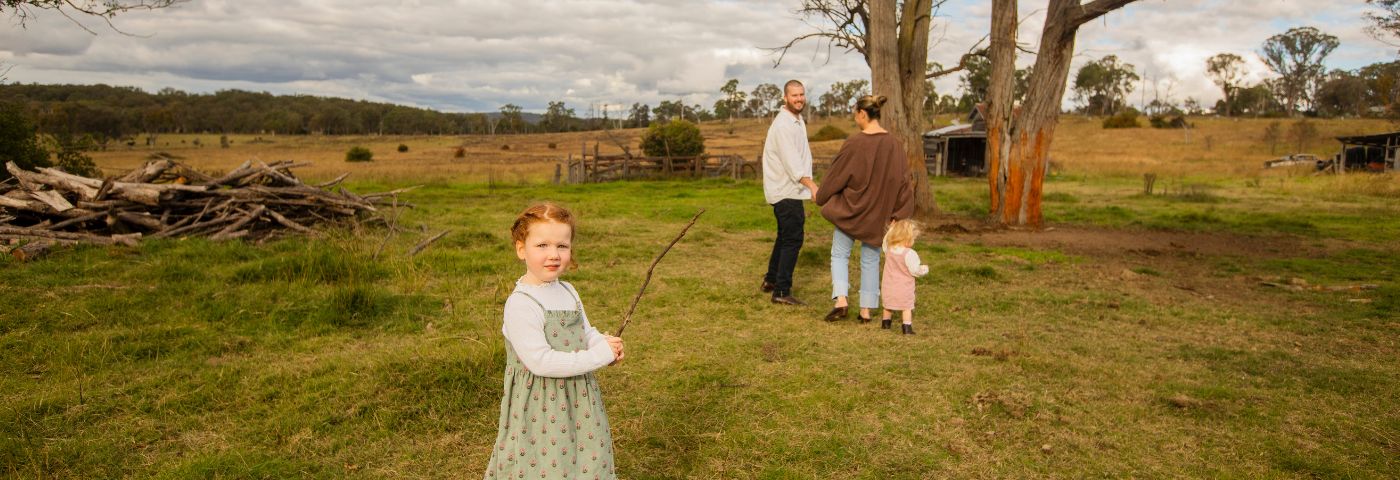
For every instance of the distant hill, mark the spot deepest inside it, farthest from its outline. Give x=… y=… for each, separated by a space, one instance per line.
x=114 y=111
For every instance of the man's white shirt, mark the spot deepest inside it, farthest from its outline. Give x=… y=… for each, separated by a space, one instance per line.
x=787 y=158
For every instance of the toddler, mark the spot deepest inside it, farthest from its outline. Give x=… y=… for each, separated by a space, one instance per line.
x=897 y=280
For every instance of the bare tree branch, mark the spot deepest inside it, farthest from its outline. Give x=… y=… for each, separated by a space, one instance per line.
x=1095 y=9
x=842 y=23
x=23 y=10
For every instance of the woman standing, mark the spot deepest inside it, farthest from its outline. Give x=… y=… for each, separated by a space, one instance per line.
x=867 y=187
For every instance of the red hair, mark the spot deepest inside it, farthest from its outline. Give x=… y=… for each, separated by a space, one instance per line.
x=538 y=213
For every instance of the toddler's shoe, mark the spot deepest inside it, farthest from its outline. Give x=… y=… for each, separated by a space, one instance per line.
x=885 y=323
x=907 y=329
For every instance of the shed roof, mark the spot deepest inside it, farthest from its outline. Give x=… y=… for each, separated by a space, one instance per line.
x=949 y=130
x=1391 y=139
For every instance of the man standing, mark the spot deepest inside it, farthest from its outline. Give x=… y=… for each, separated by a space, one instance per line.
x=787 y=181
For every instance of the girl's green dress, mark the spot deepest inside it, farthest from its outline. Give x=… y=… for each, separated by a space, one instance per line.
x=552 y=427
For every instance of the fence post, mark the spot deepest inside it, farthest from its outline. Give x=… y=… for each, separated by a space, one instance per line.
x=558 y=171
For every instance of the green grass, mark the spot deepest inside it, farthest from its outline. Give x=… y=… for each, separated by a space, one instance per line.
x=312 y=359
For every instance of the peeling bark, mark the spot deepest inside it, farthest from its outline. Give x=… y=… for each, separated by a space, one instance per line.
x=1018 y=146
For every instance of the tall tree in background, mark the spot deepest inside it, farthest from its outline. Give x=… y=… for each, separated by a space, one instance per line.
x=557 y=117
x=892 y=36
x=769 y=98
x=849 y=92
x=1104 y=83
x=1383 y=86
x=733 y=101
x=511 y=118
x=1227 y=71
x=1297 y=55
x=1018 y=148
x=640 y=115
x=977 y=78
x=1342 y=93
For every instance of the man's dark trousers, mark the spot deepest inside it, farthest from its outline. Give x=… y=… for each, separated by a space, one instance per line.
x=784 y=258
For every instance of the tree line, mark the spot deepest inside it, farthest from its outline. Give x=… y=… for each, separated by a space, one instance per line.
x=1302 y=84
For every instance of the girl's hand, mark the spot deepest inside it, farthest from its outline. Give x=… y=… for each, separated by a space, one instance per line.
x=616 y=344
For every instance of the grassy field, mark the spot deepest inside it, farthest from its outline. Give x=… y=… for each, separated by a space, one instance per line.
x=1135 y=338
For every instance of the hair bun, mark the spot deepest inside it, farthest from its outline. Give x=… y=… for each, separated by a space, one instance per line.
x=880 y=101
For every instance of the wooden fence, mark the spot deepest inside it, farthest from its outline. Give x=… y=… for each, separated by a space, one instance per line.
x=590 y=167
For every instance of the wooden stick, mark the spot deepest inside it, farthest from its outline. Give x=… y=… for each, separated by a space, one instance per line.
x=628 y=318
x=425 y=243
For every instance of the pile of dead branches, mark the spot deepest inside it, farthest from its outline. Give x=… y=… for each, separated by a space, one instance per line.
x=163 y=198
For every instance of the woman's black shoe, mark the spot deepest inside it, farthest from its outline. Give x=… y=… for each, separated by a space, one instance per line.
x=907 y=329
x=863 y=320
x=885 y=323
x=838 y=313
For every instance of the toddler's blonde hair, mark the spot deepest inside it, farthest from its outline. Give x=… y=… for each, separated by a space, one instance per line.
x=902 y=233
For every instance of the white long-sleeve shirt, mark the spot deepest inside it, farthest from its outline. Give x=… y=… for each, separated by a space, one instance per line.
x=787 y=158
x=523 y=327
x=912 y=261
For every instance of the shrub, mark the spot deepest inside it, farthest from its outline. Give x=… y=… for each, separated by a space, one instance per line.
x=552 y=146
x=678 y=137
x=1124 y=119
x=829 y=132
x=1168 y=121
x=18 y=142
x=403 y=148
x=78 y=163
x=359 y=154
x=460 y=152
x=505 y=146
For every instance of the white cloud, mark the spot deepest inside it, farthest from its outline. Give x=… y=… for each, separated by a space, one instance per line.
x=475 y=55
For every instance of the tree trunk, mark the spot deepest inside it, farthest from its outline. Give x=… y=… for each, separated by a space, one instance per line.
x=1017 y=171
x=1002 y=53
x=898 y=55
x=913 y=47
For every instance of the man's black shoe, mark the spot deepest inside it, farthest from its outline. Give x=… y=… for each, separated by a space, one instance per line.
x=788 y=300
x=767 y=287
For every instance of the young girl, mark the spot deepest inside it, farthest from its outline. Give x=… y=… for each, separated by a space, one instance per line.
x=901 y=266
x=552 y=422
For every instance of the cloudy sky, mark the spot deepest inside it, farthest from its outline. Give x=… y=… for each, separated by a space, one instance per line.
x=475 y=55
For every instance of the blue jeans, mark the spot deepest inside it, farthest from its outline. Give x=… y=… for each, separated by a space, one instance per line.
x=841 y=265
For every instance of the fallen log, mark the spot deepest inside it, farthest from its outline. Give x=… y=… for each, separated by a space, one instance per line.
x=32 y=250
x=31 y=234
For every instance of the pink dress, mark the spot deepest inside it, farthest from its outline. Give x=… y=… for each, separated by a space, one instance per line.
x=897 y=282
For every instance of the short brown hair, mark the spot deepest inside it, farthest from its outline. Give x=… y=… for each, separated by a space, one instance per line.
x=539 y=213
x=789 y=85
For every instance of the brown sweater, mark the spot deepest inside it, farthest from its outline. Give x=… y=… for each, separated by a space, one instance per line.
x=867 y=187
